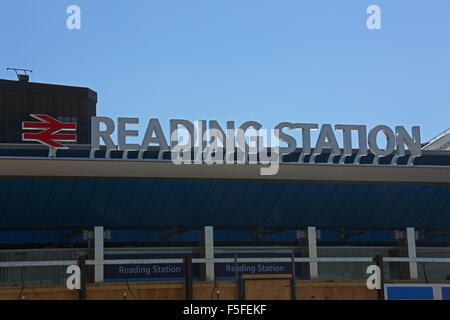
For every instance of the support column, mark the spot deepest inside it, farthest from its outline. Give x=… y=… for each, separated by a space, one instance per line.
x=411 y=241
x=312 y=246
x=98 y=253
x=208 y=239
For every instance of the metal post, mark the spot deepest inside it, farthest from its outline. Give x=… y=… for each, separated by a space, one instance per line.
x=242 y=288
x=411 y=241
x=293 y=281
x=98 y=253
x=236 y=275
x=379 y=263
x=82 y=265
x=208 y=237
x=312 y=246
x=189 y=286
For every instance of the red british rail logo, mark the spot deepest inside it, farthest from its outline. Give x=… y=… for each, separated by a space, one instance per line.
x=50 y=131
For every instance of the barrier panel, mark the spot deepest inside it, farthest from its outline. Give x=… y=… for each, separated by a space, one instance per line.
x=417 y=291
x=36 y=268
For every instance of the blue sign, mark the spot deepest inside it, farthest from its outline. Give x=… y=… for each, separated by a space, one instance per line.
x=446 y=293
x=146 y=272
x=229 y=269
x=152 y=272
x=417 y=292
x=410 y=293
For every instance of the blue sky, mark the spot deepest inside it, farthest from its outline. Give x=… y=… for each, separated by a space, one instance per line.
x=270 y=61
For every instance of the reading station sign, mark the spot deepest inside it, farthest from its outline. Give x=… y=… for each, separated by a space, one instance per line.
x=207 y=141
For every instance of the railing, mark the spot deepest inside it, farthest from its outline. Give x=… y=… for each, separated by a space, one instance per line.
x=21 y=264
x=217 y=260
x=21 y=268
x=29 y=274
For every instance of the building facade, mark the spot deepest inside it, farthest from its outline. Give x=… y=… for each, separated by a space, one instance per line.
x=321 y=220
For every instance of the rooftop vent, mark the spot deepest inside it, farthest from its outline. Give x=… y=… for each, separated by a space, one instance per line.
x=21 y=74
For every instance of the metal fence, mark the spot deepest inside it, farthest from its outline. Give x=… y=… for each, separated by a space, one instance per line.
x=48 y=267
x=25 y=268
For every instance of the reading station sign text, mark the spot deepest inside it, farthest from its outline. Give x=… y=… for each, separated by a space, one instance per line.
x=209 y=142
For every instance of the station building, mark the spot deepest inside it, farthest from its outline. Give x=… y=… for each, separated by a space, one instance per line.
x=62 y=204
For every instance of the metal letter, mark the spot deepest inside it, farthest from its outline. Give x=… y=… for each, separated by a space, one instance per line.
x=306 y=138
x=96 y=134
x=290 y=140
x=123 y=133
x=373 y=145
x=413 y=143
x=326 y=139
x=154 y=127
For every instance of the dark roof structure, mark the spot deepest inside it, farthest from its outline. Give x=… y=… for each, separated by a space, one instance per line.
x=38 y=192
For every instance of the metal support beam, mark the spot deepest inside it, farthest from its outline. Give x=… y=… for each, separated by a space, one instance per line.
x=379 y=262
x=208 y=239
x=172 y=232
x=293 y=280
x=435 y=234
x=189 y=284
x=312 y=246
x=262 y=232
x=82 y=265
x=98 y=253
x=349 y=233
x=411 y=242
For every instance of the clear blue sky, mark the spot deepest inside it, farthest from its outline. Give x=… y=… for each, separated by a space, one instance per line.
x=270 y=61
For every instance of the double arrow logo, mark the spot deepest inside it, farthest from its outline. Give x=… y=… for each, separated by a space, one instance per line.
x=50 y=129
